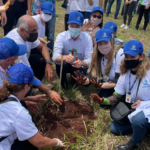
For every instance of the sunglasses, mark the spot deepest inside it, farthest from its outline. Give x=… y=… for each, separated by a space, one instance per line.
x=95 y=16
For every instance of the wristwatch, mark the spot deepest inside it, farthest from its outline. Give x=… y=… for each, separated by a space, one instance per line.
x=49 y=62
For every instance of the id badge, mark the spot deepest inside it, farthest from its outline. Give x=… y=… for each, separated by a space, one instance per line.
x=106 y=78
x=128 y=98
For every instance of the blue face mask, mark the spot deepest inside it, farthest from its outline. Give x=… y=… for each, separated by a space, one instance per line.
x=74 y=32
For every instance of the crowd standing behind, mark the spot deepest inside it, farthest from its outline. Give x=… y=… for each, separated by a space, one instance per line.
x=87 y=50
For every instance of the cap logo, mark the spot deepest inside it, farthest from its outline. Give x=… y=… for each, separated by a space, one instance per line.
x=104 y=35
x=52 y=9
x=133 y=47
x=78 y=18
x=26 y=80
x=112 y=27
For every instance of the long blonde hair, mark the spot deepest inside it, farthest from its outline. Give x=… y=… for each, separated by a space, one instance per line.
x=95 y=66
x=9 y=88
x=144 y=66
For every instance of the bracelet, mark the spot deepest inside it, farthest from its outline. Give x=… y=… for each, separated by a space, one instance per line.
x=50 y=92
x=82 y=64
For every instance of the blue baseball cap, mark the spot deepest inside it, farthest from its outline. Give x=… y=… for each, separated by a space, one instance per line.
x=133 y=47
x=111 y=25
x=98 y=8
x=8 y=48
x=48 y=8
x=76 y=17
x=103 y=35
x=22 y=74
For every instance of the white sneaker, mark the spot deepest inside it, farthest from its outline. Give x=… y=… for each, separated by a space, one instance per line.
x=123 y=25
x=126 y=27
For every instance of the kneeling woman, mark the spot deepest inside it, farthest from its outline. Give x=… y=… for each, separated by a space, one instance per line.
x=134 y=82
x=106 y=62
x=16 y=121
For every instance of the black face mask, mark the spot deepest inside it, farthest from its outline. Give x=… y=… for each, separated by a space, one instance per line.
x=132 y=63
x=32 y=37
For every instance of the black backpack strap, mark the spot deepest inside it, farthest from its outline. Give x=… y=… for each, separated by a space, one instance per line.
x=8 y=100
x=2 y=102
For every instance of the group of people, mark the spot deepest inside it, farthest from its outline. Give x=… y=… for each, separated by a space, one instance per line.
x=91 y=53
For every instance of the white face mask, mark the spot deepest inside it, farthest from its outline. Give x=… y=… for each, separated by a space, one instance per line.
x=46 y=17
x=96 y=21
x=17 y=60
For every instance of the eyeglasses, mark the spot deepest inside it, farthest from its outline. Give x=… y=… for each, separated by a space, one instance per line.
x=95 y=16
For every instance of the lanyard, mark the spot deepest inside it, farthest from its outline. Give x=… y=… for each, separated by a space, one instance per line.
x=130 y=88
x=103 y=62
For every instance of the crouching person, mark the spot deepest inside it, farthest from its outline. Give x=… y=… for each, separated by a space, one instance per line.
x=75 y=47
x=134 y=83
x=15 y=119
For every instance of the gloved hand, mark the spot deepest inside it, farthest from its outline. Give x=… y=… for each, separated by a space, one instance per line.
x=60 y=143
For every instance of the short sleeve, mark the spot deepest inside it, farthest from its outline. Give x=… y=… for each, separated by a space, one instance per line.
x=119 y=58
x=35 y=44
x=120 y=86
x=24 y=126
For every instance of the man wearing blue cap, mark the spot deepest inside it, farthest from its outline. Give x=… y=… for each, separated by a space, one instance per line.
x=74 y=46
x=46 y=13
x=50 y=25
x=9 y=52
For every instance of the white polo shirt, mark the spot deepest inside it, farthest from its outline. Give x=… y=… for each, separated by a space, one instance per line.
x=15 y=121
x=2 y=76
x=14 y=35
x=115 y=68
x=89 y=8
x=83 y=46
x=41 y=30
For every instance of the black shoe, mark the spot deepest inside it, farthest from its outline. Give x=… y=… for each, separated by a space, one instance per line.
x=115 y=18
x=136 y=27
x=129 y=146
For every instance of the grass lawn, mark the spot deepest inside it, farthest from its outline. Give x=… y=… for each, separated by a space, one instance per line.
x=101 y=138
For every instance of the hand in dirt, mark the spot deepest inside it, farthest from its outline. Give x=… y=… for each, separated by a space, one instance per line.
x=32 y=106
x=43 y=41
x=38 y=98
x=96 y=98
x=70 y=57
x=59 y=143
x=56 y=97
x=4 y=7
x=96 y=83
x=93 y=32
x=79 y=78
x=77 y=63
x=87 y=26
x=136 y=104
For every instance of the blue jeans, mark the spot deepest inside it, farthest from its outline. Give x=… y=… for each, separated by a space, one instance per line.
x=118 y=5
x=51 y=34
x=139 y=128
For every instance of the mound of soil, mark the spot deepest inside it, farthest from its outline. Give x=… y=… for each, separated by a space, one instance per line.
x=67 y=121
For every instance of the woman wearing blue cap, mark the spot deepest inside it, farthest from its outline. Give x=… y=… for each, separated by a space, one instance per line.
x=16 y=121
x=95 y=23
x=105 y=63
x=134 y=83
x=113 y=27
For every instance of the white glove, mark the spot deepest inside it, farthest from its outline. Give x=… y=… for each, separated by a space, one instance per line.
x=60 y=143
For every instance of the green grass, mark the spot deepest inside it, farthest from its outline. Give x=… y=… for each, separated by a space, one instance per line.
x=101 y=138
